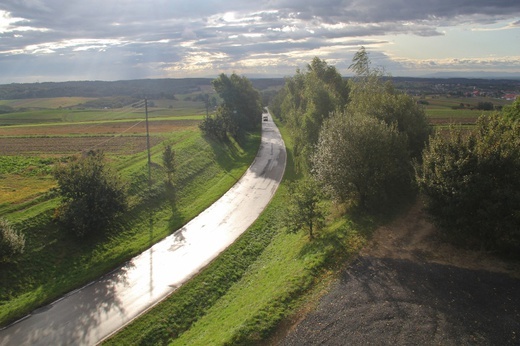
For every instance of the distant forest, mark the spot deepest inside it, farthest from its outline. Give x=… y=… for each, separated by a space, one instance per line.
x=168 y=88
x=141 y=88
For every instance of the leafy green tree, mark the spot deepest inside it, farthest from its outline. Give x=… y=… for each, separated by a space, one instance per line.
x=241 y=109
x=92 y=194
x=310 y=97
x=304 y=211
x=362 y=160
x=472 y=183
x=512 y=111
x=372 y=96
x=168 y=158
x=12 y=242
x=241 y=99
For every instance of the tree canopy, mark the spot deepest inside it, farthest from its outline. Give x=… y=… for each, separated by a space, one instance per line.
x=358 y=137
x=240 y=111
x=309 y=98
x=472 y=183
x=371 y=96
x=92 y=194
x=512 y=111
x=362 y=160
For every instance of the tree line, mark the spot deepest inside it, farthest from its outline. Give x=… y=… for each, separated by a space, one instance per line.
x=165 y=88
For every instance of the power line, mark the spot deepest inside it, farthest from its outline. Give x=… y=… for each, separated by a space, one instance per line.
x=119 y=134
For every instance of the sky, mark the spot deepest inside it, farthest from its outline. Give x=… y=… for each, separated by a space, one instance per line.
x=63 y=40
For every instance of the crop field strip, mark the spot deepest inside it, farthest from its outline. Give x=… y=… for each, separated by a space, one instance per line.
x=116 y=127
x=121 y=145
x=53 y=102
x=122 y=138
x=120 y=131
x=39 y=132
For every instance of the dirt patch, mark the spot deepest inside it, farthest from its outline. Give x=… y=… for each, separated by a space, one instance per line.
x=409 y=287
x=413 y=237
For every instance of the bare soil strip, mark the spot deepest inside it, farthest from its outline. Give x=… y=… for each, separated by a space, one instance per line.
x=122 y=145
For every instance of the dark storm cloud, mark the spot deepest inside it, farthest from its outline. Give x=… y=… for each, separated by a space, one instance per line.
x=369 y=11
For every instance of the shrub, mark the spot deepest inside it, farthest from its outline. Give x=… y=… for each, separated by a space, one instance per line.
x=304 y=210
x=92 y=194
x=364 y=161
x=217 y=126
x=12 y=242
x=472 y=183
x=485 y=106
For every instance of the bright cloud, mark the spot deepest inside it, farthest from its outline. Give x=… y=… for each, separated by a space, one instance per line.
x=181 y=38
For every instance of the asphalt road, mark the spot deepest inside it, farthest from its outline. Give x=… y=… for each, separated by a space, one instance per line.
x=90 y=314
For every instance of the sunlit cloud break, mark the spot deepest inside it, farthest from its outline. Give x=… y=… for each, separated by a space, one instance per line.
x=183 y=38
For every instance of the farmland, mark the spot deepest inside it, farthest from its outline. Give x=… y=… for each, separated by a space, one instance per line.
x=36 y=130
x=445 y=110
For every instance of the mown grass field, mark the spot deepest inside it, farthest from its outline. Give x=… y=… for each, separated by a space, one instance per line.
x=54 y=261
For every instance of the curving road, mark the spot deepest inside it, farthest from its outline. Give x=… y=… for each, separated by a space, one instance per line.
x=90 y=314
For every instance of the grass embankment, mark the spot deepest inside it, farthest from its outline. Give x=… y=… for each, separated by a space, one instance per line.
x=242 y=295
x=55 y=262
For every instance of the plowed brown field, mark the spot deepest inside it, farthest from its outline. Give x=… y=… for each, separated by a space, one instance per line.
x=123 y=145
x=123 y=138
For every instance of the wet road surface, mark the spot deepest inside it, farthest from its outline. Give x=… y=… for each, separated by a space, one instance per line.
x=90 y=314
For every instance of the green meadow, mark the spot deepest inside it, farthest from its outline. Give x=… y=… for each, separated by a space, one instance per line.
x=444 y=110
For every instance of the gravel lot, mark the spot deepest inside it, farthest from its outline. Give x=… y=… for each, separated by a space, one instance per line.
x=410 y=288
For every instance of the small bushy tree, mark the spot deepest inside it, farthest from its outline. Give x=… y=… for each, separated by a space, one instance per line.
x=92 y=194
x=168 y=158
x=472 y=183
x=304 y=211
x=12 y=242
x=363 y=160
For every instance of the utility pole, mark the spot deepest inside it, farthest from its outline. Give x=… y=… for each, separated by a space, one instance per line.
x=148 y=144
